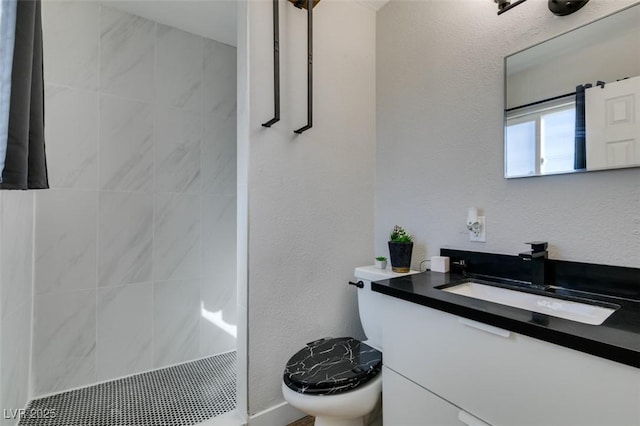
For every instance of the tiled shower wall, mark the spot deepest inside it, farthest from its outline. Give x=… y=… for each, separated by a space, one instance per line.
x=16 y=265
x=135 y=242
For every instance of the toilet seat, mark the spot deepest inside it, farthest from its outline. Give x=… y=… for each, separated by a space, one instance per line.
x=331 y=366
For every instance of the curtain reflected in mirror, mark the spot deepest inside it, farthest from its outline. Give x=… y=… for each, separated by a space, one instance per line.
x=571 y=101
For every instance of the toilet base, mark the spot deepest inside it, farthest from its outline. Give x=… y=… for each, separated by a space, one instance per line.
x=374 y=418
x=329 y=421
x=352 y=408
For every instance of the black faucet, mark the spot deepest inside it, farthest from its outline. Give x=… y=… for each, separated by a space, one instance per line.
x=537 y=257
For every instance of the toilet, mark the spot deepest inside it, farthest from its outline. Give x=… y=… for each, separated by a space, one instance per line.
x=339 y=380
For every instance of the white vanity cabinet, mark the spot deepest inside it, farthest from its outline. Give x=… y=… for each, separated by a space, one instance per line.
x=449 y=369
x=406 y=403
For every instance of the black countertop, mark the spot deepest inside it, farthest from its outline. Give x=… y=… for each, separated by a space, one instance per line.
x=616 y=339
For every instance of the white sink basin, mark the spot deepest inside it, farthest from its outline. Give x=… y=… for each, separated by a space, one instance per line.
x=574 y=311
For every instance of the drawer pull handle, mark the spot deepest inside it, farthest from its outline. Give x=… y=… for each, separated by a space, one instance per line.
x=469 y=420
x=485 y=327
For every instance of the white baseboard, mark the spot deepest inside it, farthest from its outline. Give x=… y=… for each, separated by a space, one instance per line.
x=278 y=415
x=232 y=418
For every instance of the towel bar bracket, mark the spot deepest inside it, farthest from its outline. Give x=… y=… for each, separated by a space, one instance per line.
x=276 y=66
x=310 y=4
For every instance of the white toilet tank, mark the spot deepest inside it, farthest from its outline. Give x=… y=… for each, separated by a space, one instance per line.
x=370 y=303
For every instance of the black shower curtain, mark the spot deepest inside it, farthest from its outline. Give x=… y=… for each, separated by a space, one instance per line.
x=25 y=162
x=580 y=155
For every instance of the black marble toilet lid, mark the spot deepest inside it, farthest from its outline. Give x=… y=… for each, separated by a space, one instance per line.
x=330 y=366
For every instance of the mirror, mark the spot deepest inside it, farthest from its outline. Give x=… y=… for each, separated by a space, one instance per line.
x=572 y=103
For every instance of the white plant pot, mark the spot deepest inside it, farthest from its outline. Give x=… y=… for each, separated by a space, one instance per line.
x=381 y=264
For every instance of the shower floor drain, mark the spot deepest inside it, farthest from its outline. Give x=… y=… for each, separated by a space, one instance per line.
x=185 y=394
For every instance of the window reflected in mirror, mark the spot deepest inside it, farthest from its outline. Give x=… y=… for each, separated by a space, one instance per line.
x=541 y=140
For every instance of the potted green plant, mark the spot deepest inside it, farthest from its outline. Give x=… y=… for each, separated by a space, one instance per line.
x=381 y=262
x=400 y=249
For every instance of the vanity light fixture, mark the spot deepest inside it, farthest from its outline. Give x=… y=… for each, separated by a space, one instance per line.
x=565 y=7
x=506 y=4
x=557 y=7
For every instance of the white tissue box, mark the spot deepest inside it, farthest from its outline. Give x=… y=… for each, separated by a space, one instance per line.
x=440 y=264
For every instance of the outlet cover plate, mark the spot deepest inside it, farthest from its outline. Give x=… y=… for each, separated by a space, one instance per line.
x=482 y=237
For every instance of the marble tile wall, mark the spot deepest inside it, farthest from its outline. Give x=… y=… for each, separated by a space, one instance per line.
x=16 y=260
x=135 y=242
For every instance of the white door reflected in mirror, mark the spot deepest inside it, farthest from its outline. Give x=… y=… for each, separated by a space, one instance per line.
x=612 y=117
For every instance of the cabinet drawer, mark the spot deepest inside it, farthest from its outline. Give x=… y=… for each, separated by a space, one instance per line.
x=407 y=404
x=503 y=377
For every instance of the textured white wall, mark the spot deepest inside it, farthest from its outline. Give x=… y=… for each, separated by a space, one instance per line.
x=439 y=139
x=310 y=196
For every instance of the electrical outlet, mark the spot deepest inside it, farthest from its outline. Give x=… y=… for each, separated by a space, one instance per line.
x=482 y=235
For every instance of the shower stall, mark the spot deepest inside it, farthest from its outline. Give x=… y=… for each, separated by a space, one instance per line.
x=122 y=276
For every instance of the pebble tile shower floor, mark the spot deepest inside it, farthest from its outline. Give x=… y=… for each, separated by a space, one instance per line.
x=184 y=395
